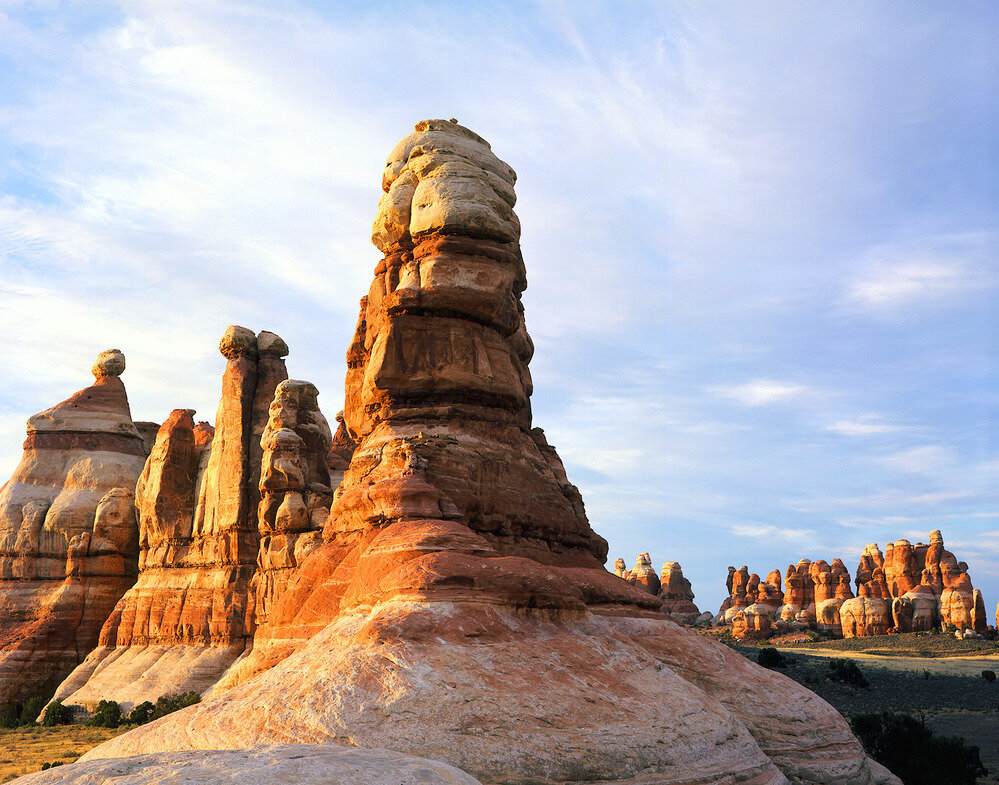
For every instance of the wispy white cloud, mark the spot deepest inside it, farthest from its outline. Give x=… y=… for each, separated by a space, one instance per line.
x=769 y=533
x=863 y=427
x=937 y=270
x=903 y=283
x=927 y=459
x=760 y=392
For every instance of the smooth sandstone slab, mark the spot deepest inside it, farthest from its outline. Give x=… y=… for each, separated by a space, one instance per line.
x=275 y=765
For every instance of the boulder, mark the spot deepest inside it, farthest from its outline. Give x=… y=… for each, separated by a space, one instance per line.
x=753 y=622
x=75 y=455
x=865 y=615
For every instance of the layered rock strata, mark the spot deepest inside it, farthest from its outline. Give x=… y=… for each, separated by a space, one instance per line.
x=191 y=613
x=59 y=575
x=458 y=606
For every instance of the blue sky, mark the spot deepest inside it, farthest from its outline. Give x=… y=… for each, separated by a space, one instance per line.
x=761 y=238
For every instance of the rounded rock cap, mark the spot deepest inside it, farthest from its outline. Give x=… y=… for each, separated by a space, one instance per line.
x=271 y=344
x=238 y=342
x=109 y=363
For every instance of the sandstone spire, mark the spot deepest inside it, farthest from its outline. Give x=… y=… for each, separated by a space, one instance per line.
x=458 y=606
x=191 y=613
x=74 y=454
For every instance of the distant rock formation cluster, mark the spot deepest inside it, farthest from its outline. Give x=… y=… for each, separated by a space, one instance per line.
x=671 y=587
x=909 y=588
x=425 y=580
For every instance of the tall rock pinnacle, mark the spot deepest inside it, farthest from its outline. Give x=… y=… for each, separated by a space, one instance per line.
x=458 y=607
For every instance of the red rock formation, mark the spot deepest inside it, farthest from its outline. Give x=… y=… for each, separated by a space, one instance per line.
x=191 y=613
x=865 y=614
x=870 y=560
x=74 y=454
x=902 y=570
x=753 y=622
x=796 y=594
x=295 y=489
x=643 y=576
x=677 y=595
x=458 y=604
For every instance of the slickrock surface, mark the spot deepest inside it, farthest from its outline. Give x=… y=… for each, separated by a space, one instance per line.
x=74 y=455
x=909 y=588
x=190 y=615
x=274 y=765
x=458 y=607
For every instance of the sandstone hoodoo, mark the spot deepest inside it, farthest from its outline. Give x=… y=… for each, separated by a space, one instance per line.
x=223 y=515
x=671 y=587
x=909 y=588
x=458 y=607
x=68 y=538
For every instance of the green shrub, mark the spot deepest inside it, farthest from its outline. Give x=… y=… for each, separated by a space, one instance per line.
x=912 y=753
x=989 y=676
x=9 y=716
x=845 y=671
x=141 y=714
x=107 y=715
x=166 y=704
x=31 y=709
x=769 y=657
x=57 y=714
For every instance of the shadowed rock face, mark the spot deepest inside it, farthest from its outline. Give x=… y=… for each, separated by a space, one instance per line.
x=458 y=606
x=74 y=455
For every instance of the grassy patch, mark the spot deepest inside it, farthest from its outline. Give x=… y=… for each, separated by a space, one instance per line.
x=24 y=750
x=910 y=644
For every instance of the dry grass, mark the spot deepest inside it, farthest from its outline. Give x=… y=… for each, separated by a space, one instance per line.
x=24 y=750
x=910 y=644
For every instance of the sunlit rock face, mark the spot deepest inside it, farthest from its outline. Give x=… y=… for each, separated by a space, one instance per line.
x=909 y=588
x=75 y=454
x=458 y=606
x=677 y=594
x=192 y=612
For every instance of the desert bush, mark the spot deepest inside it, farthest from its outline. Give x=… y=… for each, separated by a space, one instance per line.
x=140 y=714
x=9 y=716
x=57 y=714
x=845 y=671
x=31 y=709
x=107 y=715
x=769 y=657
x=989 y=676
x=166 y=704
x=910 y=750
